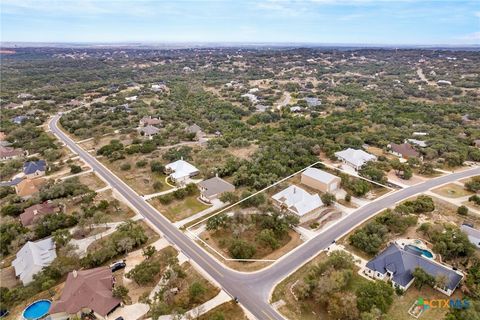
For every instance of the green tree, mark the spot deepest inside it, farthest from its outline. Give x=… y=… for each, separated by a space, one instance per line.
x=121 y=292
x=328 y=198
x=374 y=294
x=422 y=278
x=195 y=291
x=74 y=169
x=462 y=210
x=241 y=249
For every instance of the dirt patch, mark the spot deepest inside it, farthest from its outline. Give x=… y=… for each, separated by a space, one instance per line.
x=7 y=277
x=92 y=181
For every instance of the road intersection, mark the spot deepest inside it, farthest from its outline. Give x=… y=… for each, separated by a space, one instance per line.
x=252 y=289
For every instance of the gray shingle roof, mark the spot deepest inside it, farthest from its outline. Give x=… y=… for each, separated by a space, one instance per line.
x=33 y=166
x=215 y=186
x=401 y=263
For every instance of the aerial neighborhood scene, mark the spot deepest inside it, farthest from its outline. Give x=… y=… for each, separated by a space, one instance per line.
x=232 y=160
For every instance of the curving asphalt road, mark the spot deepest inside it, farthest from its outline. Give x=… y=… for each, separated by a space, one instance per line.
x=252 y=289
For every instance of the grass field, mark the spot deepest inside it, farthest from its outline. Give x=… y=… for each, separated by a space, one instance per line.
x=452 y=190
x=180 y=209
x=229 y=310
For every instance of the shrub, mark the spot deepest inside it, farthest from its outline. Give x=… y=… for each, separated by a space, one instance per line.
x=125 y=166
x=241 y=249
x=74 y=169
x=141 y=163
x=462 y=210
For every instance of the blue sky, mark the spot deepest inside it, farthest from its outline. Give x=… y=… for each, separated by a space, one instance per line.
x=314 y=21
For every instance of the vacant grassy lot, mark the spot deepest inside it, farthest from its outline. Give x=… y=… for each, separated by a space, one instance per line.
x=92 y=181
x=229 y=310
x=452 y=190
x=140 y=179
x=180 y=209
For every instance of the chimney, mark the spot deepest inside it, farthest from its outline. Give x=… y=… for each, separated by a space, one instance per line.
x=75 y=273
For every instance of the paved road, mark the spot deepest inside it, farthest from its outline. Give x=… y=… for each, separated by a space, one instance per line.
x=252 y=289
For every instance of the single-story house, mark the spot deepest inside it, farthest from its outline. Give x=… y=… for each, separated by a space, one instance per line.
x=397 y=264
x=320 y=180
x=86 y=291
x=159 y=87
x=355 y=158
x=296 y=109
x=28 y=187
x=472 y=233
x=149 y=121
x=32 y=258
x=9 y=153
x=180 y=171
x=261 y=108
x=419 y=143
x=148 y=131
x=33 y=169
x=213 y=188
x=35 y=212
x=132 y=98
x=299 y=202
x=195 y=129
x=313 y=102
x=19 y=119
x=25 y=96
x=404 y=150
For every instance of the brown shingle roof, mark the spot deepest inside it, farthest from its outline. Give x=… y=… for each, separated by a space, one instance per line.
x=6 y=152
x=91 y=289
x=35 y=212
x=405 y=149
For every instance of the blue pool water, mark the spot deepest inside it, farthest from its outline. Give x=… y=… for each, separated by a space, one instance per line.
x=37 y=310
x=425 y=253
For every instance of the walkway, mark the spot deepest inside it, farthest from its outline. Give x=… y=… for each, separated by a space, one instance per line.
x=82 y=244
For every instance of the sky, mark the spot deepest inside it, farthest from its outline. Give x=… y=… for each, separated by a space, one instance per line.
x=416 y=22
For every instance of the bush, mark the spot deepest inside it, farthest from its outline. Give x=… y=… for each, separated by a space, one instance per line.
x=240 y=249
x=125 y=166
x=348 y=197
x=462 y=210
x=195 y=291
x=156 y=166
x=74 y=169
x=475 y=199
x=157 y=185
x=165 y=199
x=141 y=163
x=328 y=199
x=145 y=272
x=473 y=185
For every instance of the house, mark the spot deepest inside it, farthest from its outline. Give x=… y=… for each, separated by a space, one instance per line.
x=296 y=109
x=418 y=143
x=404 y=150
x=195 y=129
x=473 y=234
x=354 y=158
x=148 y=131
x=397 y=264
x=33 y=169
x=180 y=171
x=86 y=291
x=160 y=87
x=313 y=102
x=35 y=212
x=19 y=119
x=149 y=121
x=444 y=83
x=32 y=258
x=261 y=108
x=253 y=98
x=213 y=188
x=9 y=153
x=28 y=187
x=132 y=98
x=299 y=202
x=320 y=180
x=25 y=96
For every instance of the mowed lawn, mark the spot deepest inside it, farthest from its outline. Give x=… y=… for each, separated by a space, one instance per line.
x=180 y=209
x=452 y=190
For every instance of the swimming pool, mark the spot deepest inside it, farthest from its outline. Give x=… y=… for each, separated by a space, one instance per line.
x=37 y=310
x=424 y=252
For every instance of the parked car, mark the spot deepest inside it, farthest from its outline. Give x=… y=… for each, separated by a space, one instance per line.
x=118 y=265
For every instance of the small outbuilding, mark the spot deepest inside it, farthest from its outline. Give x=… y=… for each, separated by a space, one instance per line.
x=320 y=180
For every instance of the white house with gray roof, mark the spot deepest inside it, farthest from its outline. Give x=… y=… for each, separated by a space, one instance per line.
x=299 y=202
x=32 y=258
x=180 y=171
x=355 y=158
x=398 y=264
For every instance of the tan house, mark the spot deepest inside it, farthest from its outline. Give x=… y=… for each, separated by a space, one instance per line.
x=213 y=188
x=320 y=180
x=28 y=187
x=86 y=292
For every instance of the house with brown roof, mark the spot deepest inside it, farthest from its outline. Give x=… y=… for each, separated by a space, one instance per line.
x=404 y=151
x=213 y=188
x=9 y=153
x=149 y=121
x=28 y=187
x=86 y=292
x=35 y=212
